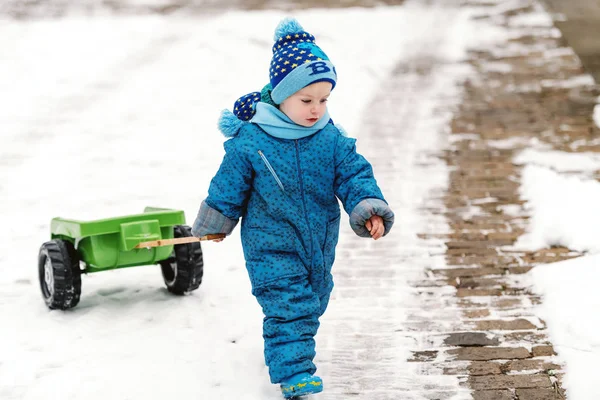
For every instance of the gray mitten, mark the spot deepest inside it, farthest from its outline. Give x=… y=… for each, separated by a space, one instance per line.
x=365 y=210
x=210 y=221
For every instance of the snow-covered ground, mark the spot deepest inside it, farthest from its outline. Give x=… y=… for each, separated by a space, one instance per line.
x=597 y=113
x=563 y=200
x=103 y=116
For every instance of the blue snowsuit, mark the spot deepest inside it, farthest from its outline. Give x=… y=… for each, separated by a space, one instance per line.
x=286 y=192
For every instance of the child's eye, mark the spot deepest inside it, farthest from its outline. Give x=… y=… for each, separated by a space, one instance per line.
x=324 y=101
x=306 y=101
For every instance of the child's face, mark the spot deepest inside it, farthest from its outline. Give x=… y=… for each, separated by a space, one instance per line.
x=308 y=105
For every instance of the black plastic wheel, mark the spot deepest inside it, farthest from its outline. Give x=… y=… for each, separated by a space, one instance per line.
x=183 y=270
x=59 y=274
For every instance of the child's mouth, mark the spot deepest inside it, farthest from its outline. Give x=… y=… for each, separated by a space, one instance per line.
x=312 y=120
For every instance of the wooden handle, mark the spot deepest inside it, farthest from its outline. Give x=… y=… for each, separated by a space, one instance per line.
x=189 y=239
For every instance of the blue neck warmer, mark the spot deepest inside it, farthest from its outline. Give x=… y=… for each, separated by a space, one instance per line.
x=277 y=124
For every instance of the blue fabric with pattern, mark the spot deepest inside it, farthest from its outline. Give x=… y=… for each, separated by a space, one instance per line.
x=286 y=192
x=243 y=108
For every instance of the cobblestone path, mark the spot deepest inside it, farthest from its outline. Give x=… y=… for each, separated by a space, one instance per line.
x=530 y=88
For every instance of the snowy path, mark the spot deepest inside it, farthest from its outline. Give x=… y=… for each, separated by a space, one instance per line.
x=102 y=117
x=377 y=318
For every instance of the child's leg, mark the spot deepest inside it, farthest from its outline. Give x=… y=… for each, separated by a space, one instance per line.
x=291 y=321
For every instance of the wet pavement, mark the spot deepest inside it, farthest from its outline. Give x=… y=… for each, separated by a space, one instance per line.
x=579 y=22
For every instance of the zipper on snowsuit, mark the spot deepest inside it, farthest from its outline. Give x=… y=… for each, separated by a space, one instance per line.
x=271 y=170
x=304 y=203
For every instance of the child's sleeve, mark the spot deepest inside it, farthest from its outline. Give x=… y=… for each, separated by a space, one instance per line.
x=356 y=187
x=227 y=194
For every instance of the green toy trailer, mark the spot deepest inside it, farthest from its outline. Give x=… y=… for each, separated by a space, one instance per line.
x=157 y=236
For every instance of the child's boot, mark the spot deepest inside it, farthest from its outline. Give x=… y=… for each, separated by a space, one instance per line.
x=301 y=384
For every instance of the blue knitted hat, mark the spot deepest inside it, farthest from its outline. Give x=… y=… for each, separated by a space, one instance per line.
x=297 y=61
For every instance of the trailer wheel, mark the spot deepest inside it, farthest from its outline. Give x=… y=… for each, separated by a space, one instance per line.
x=183 y=270
x=59 y=274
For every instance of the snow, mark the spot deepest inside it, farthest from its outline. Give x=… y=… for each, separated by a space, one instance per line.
x=103 y=116
x=563 y=210
x=597 y=114
x=569 y=83
x=513 y=142
x=559 y=161
x=562 y=201
x=570 y=307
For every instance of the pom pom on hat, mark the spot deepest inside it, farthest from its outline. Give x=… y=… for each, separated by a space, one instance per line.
x=229 y=124
x=297 y=61
x=287 y=26
x=244 y=109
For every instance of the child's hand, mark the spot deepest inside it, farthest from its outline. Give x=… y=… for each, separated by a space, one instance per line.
x=375 y=226
x=371 y=218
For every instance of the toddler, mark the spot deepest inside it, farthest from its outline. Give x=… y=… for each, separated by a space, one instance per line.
x=285 y=167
